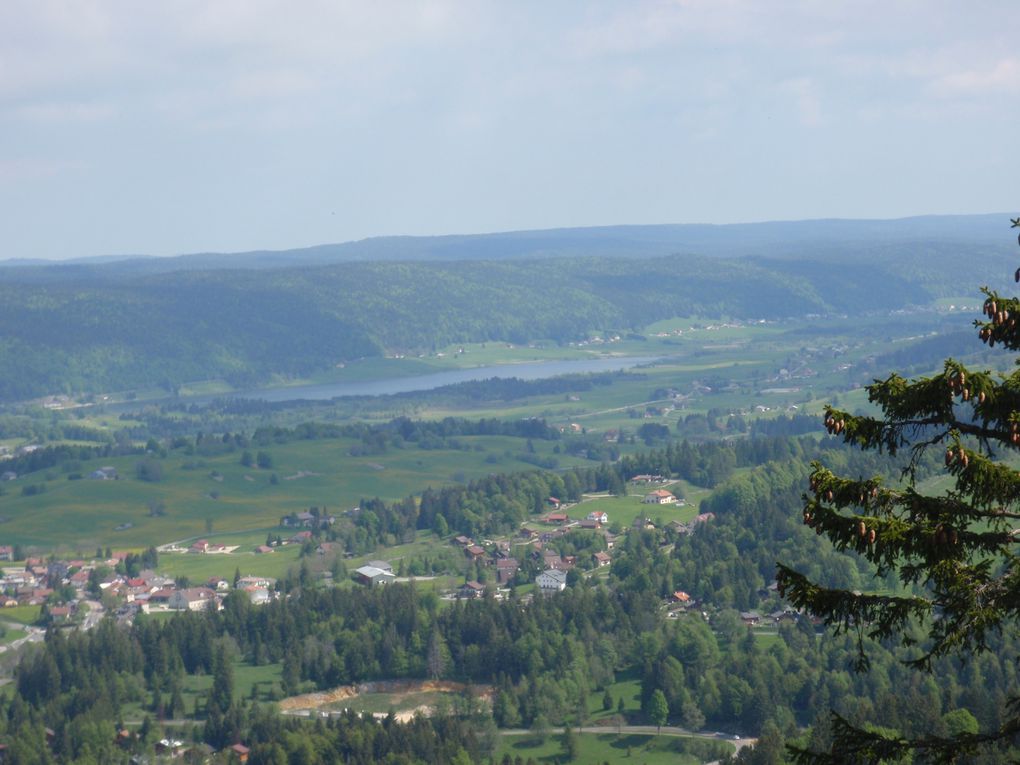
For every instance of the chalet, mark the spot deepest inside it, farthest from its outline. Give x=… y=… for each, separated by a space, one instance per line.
x=36 y=596
x=171 y=746
x=553 y=502
x=59 y=614
x=783 y=615
x=553 y=560
x=192 y=599
x=258 y=595
x=256 y=581
x=301 y=537
x=6 y=552
x=590 y=525
x=263 y=550
x=199 y=546
x=551 y=581
x=307 y=520
x=217 y=583
x=373 y=577
x=645 y=478
x=556 y=519
x=680 y=527
x=240 y=751
x=601 y=559
x=599 y=516
x=506 y=570
x=463 y=541
x=79 y=579
x=471 y=590
x=160 y=597
x=474 y=552
x=526 y=533
x=750 y=618
x=329 y=548
x=659 y=497
x=680 y=597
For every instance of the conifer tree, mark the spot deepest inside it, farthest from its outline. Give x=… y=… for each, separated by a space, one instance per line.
x=954 y=553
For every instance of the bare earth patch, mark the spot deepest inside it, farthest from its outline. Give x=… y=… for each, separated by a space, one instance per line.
x=399 y=688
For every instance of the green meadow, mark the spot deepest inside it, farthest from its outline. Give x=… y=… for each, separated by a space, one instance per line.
x=624 y=510
x=203 y=496
x=597 y=748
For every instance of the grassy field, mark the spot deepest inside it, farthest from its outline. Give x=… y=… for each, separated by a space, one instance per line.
x=597 y=748
x=11 y=634
x=21 y=614
x=623 y=510
x=196 y=491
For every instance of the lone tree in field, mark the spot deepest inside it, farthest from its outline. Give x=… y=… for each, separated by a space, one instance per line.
x=956 y=554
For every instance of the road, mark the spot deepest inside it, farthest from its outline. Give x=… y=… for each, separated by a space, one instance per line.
x=94 y=615
x=37 y=634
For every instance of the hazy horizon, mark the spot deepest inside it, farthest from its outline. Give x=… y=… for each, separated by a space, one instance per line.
x=164 y=130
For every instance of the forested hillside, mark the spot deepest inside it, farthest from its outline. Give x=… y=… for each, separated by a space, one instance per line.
x=92 y=328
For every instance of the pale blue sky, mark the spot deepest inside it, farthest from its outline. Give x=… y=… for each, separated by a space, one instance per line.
x=169 y=127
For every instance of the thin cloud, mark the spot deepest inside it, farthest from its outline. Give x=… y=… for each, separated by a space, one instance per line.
x=67 y=112
x=1001 y=78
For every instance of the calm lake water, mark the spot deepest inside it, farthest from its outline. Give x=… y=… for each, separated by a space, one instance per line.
x=532 y=370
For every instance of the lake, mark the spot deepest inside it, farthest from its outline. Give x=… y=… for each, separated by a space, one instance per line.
x=531 y=370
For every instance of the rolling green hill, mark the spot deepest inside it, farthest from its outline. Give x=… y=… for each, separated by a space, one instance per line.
x=79 y=328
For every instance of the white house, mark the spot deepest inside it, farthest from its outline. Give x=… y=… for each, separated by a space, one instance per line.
x=551 y=581
x=659 y=497
x=598 y=516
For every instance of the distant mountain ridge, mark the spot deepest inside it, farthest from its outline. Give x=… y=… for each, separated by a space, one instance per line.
x=778 y=239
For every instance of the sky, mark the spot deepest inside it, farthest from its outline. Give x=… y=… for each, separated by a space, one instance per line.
x=190 y=126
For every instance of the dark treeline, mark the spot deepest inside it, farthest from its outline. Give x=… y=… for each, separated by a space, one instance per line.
x=398 y=433
x=786 y=425
x=47 y=457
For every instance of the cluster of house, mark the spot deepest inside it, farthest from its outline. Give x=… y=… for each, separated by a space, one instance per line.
x=179 y=749
x=158 y=594
x=553 y=578
x=688 y=528
x=505 y=564
x=33 y=584
x=596 y=519
x=753 y=618
x=307 y=519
